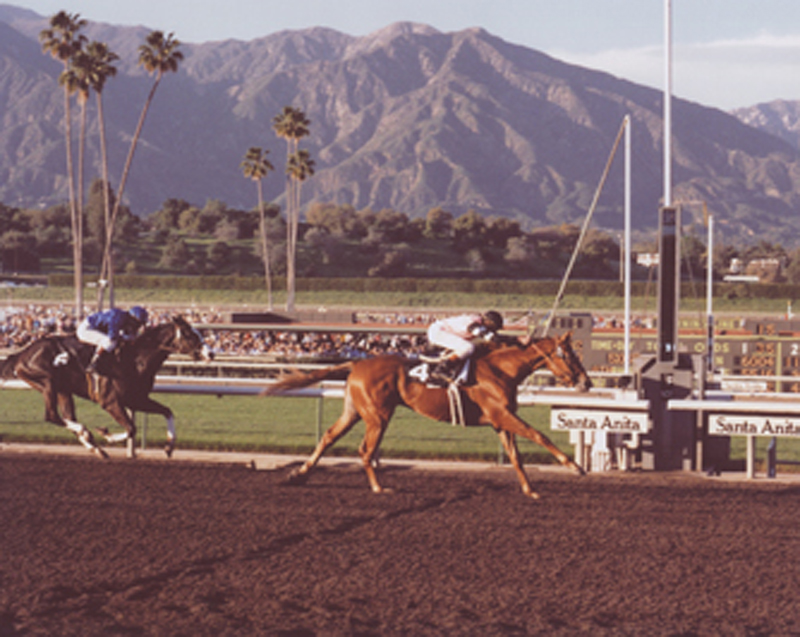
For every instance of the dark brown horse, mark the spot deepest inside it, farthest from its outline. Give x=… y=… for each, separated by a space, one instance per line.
x=56 y=367
x=376 y=386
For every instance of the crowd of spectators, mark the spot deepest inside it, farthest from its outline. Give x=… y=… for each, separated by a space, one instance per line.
x=22 y=324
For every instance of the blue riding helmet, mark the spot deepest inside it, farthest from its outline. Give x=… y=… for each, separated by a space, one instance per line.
x=139 y=313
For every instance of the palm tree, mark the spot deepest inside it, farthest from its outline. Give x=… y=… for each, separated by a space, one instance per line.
x=74 y=82
x=62 y=41
x=291 y=124
x=98 y=61
x=158 y=55
x=299 y=167
x=76 y=79
x=256 y=166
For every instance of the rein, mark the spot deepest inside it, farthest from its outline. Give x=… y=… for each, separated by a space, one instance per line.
x=175 y=337
x=548 y=358
x=171 y=349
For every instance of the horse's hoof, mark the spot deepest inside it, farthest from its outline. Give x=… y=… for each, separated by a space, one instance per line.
x=103 y=431
x=100 y=453
x=169 y=448
x=296 y=478
x=534 y=496
x=575 y=467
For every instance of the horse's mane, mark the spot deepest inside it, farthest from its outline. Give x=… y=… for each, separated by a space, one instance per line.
x=152 y=331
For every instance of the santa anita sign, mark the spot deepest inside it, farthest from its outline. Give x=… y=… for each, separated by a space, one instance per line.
x=744 y=425
x=617 y=422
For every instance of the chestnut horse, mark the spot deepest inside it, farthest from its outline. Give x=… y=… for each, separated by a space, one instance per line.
x=376 y=386
x=56 y=367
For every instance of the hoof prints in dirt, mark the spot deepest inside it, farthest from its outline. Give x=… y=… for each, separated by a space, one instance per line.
x=163 y=548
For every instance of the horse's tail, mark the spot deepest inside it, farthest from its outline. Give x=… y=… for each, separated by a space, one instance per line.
x=298 y=379
x=7 y=367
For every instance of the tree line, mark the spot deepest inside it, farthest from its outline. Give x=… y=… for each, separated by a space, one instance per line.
x=336 y=240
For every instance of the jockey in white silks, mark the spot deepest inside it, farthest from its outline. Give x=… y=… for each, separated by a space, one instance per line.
x=456 y=334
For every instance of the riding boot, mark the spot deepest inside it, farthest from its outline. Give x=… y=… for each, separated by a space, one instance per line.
x=446 y=370
x=96 y=365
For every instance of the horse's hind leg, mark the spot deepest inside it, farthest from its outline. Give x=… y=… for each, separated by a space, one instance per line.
x=510 y=445
x=343 y=424
x=53 y=402
x=66 y=404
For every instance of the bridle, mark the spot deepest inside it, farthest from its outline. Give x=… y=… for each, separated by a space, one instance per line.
x=558 y=352
x=176 y=337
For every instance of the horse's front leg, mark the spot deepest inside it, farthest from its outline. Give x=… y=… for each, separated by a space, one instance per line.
x=504 y=420
x=150 y=406
x=121 y=415
x=510 y=445
x=343 y=424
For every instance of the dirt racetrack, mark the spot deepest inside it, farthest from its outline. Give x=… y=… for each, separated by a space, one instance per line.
x=182 y=548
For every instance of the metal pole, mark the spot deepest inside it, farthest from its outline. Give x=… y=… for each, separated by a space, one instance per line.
x=772 y=458
x=667 y=103
x=584 y=229
x=709 y=294
x=627 y=245
x=320 y=412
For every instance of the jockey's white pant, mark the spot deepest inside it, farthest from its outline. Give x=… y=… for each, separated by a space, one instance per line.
x=459 y=346
x=88 y=335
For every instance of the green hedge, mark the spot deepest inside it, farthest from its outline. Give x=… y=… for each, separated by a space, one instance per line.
x=478 y=286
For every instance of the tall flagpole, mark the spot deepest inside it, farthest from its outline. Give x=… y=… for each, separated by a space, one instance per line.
x=667 y=103
x=627 y=245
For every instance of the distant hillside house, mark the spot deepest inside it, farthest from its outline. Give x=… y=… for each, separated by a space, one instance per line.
x=756 y=271
x=767 y=270
x=647 y=259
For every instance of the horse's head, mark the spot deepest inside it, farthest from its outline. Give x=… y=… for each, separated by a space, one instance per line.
x=563 y=362
x=187 y=340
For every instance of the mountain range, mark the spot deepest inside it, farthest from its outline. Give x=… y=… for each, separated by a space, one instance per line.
x=407 y=118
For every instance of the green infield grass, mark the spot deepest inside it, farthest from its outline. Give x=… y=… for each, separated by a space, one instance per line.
x=292 y=426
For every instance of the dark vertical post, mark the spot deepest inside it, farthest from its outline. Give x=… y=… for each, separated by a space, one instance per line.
x=669 y=284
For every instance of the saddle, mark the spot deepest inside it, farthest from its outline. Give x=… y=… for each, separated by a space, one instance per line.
x=64 y=349
x=438 y=371
x=69 y=349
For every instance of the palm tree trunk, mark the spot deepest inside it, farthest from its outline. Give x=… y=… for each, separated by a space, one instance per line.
x=78 y=278
x=79 y=199
x=290 y=257
x=290 y=246
x=106 y=207
x=105 y=270
x=264 y=243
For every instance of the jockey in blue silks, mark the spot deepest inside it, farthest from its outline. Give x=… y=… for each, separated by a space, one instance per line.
x=106 y=329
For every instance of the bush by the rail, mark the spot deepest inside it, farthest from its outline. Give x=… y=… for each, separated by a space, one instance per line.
x=529 y=287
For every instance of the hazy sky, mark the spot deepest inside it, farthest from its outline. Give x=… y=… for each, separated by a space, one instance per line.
x=726 y=53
